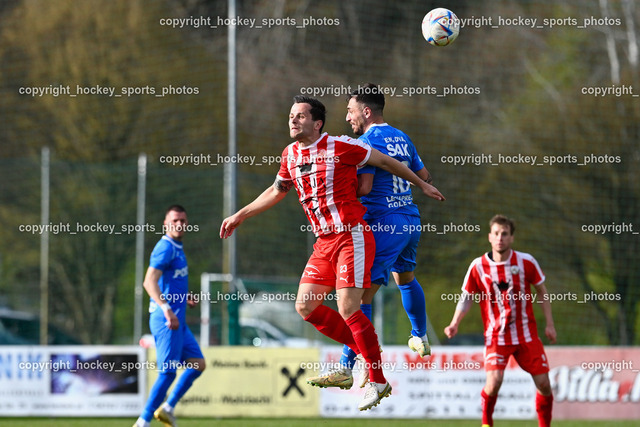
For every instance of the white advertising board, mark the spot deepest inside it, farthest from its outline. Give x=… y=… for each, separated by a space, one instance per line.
x=72 y=380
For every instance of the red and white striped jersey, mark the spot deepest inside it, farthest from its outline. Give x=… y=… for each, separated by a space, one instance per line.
x=503 y=290
x=325 y=177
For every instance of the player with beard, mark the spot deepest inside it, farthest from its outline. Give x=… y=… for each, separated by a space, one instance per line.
x=323 y=169
x=394 y=220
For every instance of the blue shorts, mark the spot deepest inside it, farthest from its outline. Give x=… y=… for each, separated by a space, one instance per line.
x=173 y=347
x=395 y=250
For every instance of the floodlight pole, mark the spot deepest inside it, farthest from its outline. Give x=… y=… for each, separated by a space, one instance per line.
x=138 y=294
x=229 y=206
x=44 y=246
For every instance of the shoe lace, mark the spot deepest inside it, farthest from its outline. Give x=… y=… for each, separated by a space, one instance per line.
x=371 y=391
x=339 y=371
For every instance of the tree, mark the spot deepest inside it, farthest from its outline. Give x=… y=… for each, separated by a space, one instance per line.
x=121 y=50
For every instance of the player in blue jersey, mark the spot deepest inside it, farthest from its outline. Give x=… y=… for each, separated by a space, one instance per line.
x=167 y=283
x=394 y=220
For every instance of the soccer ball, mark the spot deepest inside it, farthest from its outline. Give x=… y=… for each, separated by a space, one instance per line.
x=440 y=27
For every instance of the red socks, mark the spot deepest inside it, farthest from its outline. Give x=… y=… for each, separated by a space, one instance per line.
x=367 y=340
x=487 y=403
x=330 y=323
x=544 y=404
x=357 y=332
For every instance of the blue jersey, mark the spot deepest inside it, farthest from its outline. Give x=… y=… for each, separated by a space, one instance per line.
x=168 y=256
x=390 y=194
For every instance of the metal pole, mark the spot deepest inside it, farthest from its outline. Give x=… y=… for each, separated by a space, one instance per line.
x=138 y=294
x=205 y=311
x=44 y=247
x=229 y=205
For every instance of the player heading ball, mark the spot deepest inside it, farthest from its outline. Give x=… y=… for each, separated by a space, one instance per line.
x=340 y=260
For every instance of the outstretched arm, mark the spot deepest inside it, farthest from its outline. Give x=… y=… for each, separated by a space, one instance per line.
x=365 y=181
x=395 y=167
x=264 y=201
x=424 y=175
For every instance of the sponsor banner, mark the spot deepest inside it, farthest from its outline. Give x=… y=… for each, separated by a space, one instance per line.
x=587 y=382
x=595 y=382
x=251 y=382
x=445 y=385
x=72 y=380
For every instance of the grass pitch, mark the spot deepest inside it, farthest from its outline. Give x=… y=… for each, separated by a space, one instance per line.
x=299 y=422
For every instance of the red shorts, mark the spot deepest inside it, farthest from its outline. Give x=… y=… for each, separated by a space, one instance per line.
x=342 y=260
x=530 y=356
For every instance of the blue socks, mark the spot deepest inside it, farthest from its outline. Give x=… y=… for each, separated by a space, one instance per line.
x=157 y=394
x=161 y=386
x=348 y=358
x=184 y=382
x=414 y=304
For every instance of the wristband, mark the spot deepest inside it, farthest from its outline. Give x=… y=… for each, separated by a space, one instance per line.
x=165 y=307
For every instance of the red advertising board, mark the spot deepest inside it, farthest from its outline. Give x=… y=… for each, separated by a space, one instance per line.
x=595 y=382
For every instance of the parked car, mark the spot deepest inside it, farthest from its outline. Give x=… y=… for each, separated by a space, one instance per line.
x=23 y=328
x=259 y=333
x=255 y=333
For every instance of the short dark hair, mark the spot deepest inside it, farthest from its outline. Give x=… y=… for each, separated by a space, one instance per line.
x=177 y=208
x=370 y=96
x=318 y=110
x=503 y=220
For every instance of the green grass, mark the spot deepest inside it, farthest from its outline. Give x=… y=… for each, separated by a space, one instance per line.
x=298 y=422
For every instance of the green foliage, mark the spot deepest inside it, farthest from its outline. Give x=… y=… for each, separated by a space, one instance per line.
x=68 y=44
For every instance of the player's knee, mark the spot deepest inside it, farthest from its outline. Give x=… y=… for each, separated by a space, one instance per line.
x=546 y=390
x=492 y=387
x=369 y=294
x=544 y=385
x=304 y=309
x=404 y=278
x=347 y=310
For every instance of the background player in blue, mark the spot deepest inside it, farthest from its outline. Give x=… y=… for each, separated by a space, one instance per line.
x=394 y=220
x=167 y=283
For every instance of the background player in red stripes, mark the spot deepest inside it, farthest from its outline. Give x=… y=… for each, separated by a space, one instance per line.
x=323 y=170
x=501 y=281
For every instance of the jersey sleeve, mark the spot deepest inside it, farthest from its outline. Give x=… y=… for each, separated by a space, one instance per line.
x=365 y=168
x=416 y=161
x=471 y=279
x=353 y=152
x=283 y=173
x=533 y=272
x=161 y=256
